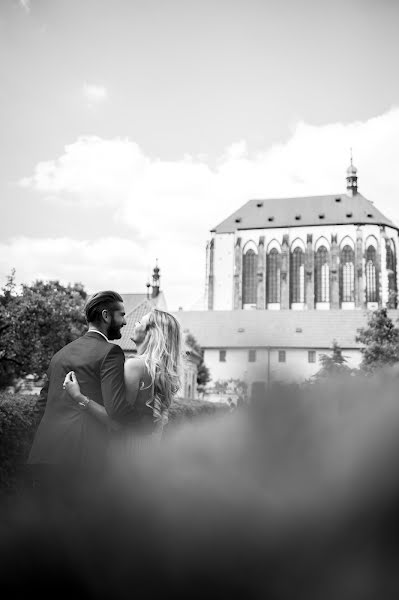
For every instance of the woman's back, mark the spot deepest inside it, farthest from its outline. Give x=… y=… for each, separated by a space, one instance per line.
x=142 y=396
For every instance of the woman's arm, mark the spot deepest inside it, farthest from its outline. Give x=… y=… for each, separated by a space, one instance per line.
x=71 y=385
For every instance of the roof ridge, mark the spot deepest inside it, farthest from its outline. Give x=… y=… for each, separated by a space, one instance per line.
x=144 y=301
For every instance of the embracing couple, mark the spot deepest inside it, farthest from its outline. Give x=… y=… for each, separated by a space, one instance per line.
x=95 y=399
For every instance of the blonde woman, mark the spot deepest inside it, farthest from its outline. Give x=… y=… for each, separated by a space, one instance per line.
x=152 y=378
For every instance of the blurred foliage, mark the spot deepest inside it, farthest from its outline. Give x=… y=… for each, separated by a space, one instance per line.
x=19 y=417
x=183 y=409
x=222 y=386
x=380 y=342
x=203 y=374
x=332 y=365
x=36 y=322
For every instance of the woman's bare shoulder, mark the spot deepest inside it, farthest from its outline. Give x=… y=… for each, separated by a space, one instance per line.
x=135 y=364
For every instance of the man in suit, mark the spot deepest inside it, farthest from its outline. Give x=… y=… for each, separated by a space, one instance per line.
x=67 y=437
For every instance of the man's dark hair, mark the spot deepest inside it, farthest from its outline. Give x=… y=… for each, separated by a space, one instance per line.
x=101 y=301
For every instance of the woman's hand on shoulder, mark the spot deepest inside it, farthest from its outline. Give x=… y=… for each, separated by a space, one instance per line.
x=71 y=386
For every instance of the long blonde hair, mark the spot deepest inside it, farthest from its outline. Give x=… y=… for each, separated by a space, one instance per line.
x=162 y=353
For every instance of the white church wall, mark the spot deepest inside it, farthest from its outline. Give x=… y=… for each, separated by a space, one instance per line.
x=384 y=275
x=394 y=235
x=346 y=234
x=223 y=271
x=300 y=233
x=320 y=231
x=295 y=369
x=236 y=365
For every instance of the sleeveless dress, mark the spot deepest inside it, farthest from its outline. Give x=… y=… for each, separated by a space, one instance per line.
x=141 y=436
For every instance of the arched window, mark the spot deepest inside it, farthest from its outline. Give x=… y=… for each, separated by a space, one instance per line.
x=273 y=276
x=391 y=270
x=371 y=283
x=297 y=279
x=347 y=274
x=322 y=275
x=249 y=264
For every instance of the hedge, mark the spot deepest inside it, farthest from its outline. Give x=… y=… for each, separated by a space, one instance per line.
x=20 y=415
x=183 y=409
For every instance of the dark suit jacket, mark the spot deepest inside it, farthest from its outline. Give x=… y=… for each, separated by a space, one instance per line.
x=67 y=434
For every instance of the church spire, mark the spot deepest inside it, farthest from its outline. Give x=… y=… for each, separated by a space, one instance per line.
x=155 y=280
x=351 y=178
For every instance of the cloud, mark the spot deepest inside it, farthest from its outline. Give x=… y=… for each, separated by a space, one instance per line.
x=174 y=204
x=94 y=94
x=107 y=263
x=26 y=5
x=103 y=263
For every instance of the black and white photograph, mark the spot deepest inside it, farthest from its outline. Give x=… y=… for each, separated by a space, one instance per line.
x=199 y=299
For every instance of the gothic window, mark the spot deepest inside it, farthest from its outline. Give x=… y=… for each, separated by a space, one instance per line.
x=371 y=282
x=347 y=274
x=322 y=275
x=273 y=276
x=391 y=270
x=249 y=264
x=297 y=280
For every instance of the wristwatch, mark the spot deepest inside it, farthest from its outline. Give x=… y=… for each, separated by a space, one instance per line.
x=84 y=403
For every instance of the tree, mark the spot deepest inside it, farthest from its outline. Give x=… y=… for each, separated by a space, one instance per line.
x=332 y=365
x=203 y=374
x=35 y=323
x=221 y=386
x=380 y=342
x=239 y=386
x=225 y=386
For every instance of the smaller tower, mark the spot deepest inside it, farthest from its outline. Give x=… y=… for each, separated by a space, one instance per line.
x=351 y=179
x=148 y=285
x=155 y=281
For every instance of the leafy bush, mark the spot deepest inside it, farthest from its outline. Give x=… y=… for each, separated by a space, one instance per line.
x=380 y=341
x=36 y=323
x=19 y=417
x=183 y=409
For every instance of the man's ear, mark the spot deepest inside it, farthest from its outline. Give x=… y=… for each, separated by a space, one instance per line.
x=106 y=315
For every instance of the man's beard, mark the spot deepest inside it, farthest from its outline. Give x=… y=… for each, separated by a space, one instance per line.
x=114 y=330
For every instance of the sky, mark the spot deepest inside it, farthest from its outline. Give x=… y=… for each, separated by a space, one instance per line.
x=131 y=128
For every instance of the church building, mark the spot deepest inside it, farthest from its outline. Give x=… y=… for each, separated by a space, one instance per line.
x=313 y=253
x=288 y=277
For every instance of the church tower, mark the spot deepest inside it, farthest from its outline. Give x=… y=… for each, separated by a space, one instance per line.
x=155 y=281
x=351 y=179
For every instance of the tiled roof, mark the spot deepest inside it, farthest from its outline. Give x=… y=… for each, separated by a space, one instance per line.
x=132 y=301
x=126 y=343
x=298 y=212
x=136 y=306
x=283 y=328
x=135 y=315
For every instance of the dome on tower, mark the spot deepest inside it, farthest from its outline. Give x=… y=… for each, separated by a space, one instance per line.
x=351 y=170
